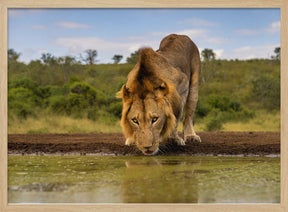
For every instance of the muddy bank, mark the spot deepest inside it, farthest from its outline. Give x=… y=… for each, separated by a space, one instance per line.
x=213 y=143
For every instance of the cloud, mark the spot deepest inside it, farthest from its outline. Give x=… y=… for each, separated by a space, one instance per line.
x=247 y=32
x=214 y=40
x=38 y=26
x=72 y=25
x=219 y=53
x=129 y=43
x=77 y=44
x=250 y=52
x=193 y=33
x=274 y=27
x=126 y=45
x=106 y=48
x=198 y=22
x=202 y=35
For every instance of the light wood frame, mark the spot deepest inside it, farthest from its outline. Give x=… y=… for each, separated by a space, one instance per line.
x=6 y=4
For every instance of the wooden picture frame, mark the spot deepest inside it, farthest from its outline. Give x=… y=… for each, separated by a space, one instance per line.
x=6 y=4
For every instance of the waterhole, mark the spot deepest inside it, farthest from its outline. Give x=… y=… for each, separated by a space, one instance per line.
x=137 y=179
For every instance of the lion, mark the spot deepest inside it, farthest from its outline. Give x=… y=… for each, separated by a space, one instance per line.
x=161 y=84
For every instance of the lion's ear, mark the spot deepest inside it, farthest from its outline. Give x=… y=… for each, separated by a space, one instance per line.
x=124 y=93
x=161 y=90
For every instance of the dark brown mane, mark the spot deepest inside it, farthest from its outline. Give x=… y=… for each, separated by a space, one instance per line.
x=147 y=80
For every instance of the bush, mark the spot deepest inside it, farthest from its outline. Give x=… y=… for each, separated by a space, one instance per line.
x=23 y=83
x=76 y=105
x=21 y=109
x=235 y=106
x=266 y=90
x=202 y=109
x=115 y=108
x=214 y=123
x=90 y=95
x=219 y=102
x=55 y=90
x=58 y=104
x=92 y=114
x=221 y=109
x=37 y=95
x=21 y=102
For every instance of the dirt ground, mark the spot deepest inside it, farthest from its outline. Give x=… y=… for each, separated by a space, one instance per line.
x=213 y=143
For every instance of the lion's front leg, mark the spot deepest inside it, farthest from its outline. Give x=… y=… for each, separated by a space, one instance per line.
x=176 y=138
x=189 y=133
x=192 y=99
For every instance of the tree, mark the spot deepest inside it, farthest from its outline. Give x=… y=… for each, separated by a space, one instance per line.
x=90 y=57
x=67 y=63
x=48 y=59
x=13 y=55
x=133 y=57
x=208 y=55
x=208 y=65
x=117 y=58
x=277 y=51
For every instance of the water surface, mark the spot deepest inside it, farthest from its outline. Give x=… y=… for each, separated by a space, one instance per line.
x=159 y=179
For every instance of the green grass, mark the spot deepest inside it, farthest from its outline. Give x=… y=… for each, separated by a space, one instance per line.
x=262 y=121
x=60 y=124
x=47 y=123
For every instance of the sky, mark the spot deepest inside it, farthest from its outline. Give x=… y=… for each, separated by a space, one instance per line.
x=231 y=33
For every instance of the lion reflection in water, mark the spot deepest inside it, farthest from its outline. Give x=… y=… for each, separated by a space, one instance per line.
x=159 y=180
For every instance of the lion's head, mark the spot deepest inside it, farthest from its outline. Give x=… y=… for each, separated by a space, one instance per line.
x=147 y=115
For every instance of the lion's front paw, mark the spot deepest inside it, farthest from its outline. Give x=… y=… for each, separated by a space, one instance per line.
x=179 y=141
x=192 y=138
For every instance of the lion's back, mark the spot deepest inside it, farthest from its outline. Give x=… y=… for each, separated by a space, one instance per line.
x=180 y=51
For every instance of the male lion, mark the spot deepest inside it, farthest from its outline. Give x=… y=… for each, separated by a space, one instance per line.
x=157 y=89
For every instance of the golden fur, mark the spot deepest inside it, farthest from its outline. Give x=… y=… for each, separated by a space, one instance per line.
x=156 y=91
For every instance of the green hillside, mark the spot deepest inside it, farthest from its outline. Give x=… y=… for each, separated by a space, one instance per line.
x=64 y=96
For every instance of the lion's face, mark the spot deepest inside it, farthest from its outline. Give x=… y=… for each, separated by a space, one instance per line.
x=146 y=120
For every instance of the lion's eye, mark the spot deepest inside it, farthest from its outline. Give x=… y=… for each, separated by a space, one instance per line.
x=154 y=119
x=135 y=121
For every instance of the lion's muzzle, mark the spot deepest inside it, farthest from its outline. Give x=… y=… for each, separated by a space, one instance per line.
x=146 y=142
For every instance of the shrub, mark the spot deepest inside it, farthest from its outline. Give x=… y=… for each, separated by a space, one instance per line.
x=23 y=83
x=90 y=95
x=202 y=109
x=266 y=90
x=58 y=104
x=235 y=106
x=75 y=104
x=115 y=108
x=37 y=95
x=21 y=109
x=219 y=102
x=214 y=123
x=21 y=102
x=55 y=90
x=93 y=114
